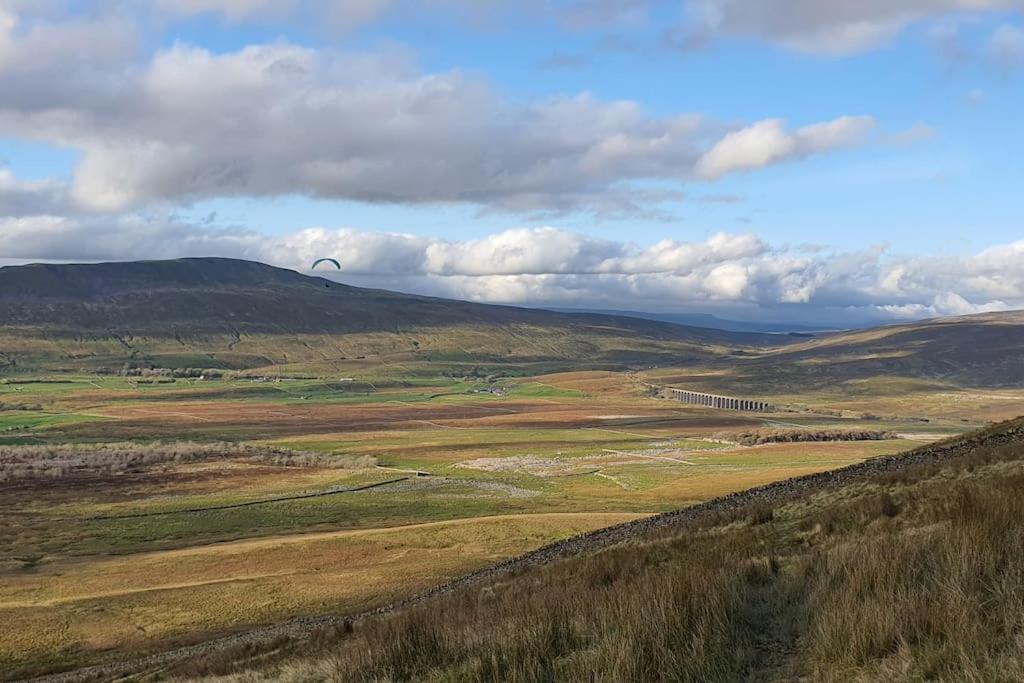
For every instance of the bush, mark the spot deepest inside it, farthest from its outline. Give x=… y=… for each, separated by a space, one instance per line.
x=757 y=437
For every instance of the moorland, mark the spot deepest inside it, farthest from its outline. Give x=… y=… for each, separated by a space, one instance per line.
x=200 y=447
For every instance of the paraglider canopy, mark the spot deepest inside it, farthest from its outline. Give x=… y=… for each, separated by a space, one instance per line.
x=332 y=261
x=326 y=260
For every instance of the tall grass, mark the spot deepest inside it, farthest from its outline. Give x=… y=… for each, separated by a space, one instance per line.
x=945 y=601
x=905 y=578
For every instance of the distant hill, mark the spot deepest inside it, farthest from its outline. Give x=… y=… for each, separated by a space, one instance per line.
x=214 y=294
x=245 y=314
x=981 y=350
x=708 y=320
x=975 y=350
x=233 y=314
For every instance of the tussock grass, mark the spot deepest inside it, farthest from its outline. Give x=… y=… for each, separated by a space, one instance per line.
x=908 y=577
x=18 y=463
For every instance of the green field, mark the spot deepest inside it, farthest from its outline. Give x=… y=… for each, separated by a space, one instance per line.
x=99 y=562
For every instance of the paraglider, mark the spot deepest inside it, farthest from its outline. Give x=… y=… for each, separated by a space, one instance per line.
x=332 y=261
x=326 y=260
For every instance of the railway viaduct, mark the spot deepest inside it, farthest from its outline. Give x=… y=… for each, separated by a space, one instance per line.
x=720 y=402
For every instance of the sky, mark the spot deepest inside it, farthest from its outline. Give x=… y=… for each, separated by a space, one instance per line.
x=810 y=160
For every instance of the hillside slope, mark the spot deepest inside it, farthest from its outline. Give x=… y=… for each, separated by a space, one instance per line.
x=978 y=350
x=900 y=568
x=201 y=295
x=713 y=321
x=252 y=314
x=974 y=351
x=225 y=313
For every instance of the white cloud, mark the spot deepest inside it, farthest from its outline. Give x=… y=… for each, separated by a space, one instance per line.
x=918 y=132
x=835 y=27
x=951 y=303
x=767 y=142
x=551 y=266
x=278 y=119
x=573 y=14
x=584 y=14
x=832 y=27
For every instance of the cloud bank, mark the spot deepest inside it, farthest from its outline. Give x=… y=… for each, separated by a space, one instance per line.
x=281 y=119
x=828 y=27
x=554 y=267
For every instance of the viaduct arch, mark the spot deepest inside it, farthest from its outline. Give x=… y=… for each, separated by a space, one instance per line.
x=720 y=402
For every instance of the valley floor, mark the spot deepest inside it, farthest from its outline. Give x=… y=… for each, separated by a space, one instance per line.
x=101 y=562
x=905 y=571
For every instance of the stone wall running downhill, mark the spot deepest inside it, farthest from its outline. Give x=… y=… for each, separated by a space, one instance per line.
x=777 y=493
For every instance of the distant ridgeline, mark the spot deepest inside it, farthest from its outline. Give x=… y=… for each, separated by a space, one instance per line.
x=214 y=313
x=231 y=314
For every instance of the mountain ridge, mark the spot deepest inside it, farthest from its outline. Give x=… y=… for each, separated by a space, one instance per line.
x=249 y=293
x=240 y=315
x=243 y=314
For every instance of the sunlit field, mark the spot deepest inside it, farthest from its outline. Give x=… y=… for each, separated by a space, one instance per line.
x=261 y=497
x=612 y=341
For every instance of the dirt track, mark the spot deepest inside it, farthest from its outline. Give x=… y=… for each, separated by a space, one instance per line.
x=772 y=494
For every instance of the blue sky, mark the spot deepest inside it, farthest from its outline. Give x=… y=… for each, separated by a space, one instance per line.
x=605 y=146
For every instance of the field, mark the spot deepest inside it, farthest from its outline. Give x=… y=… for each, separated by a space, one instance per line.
x=265 y=496
x=904 y=572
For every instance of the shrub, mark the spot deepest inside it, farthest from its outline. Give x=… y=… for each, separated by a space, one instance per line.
x=757 y=437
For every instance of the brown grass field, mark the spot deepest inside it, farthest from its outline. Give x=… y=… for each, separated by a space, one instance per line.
x=99 y=565
x=127 y=603
x=908 y=575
